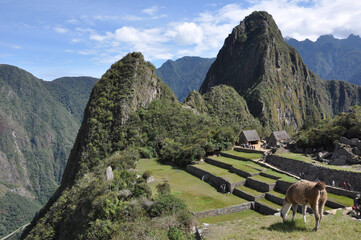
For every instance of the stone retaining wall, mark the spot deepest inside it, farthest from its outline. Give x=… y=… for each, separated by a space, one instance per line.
x=274 y=199
x=223 y=211
x=260 y=186
x=282 y=186
x=214 y=180
x=247 y=196
x=313 y=172
x=248 y=150
x=263 y=209
x=234 y=157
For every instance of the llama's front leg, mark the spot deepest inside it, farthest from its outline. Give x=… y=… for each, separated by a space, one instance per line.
x=317 y=215
x=294 y=210
x=285 y=209
x=304 y=209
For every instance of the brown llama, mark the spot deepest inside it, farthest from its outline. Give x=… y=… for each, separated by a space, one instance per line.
x=303 y=193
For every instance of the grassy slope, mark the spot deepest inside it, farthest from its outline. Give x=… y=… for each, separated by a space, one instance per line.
x=198 y=195
x=272 y=227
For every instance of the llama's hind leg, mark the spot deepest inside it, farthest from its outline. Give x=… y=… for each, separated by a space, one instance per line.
x=321 y=205
x=304 y=210
x=285 y=209
x=294 y=210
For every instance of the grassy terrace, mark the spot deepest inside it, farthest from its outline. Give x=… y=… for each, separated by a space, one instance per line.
x=277 y=194
x=230 y=217
x=246 y=166
x=280 y=175
x=340 y=199
x=272 y=227
x=269 y=203
x=220 y=172
x=263 y=179
x=251 y=156
x=302 y=157
x=197 y=194
x=250 y=191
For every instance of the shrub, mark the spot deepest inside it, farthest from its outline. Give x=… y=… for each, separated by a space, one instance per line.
x=166 y=204
x=163 y=188
x=146 y=174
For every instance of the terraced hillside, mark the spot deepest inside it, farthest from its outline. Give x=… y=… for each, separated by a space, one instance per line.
x=263 y=186
x=252 y=187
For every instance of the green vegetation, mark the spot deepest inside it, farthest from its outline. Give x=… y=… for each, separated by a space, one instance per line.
x=269 y=203
x=251 y=156
x=348 y=202
x=250 y=191
x=16 y=211
x=326 y=132
x=232 y=217
x=246 y=166
x=220 y=172
x=263 y=179
x=272 y=227
x=184 y=74
x=277 y=194
x=197 y=194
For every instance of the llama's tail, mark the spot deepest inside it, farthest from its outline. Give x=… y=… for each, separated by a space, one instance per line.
x=320 y=186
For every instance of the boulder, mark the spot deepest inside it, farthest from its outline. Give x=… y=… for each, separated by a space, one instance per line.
x=109 y=173
x=150 y=179
x=344 y=154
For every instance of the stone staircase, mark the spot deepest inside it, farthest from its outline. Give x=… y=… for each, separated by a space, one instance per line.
x=263 y=187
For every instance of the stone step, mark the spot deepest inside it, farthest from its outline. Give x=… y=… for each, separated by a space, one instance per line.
x=261 y=183
x=221 y=179
x=266 y=207
x=275 y=197
x=248 y=193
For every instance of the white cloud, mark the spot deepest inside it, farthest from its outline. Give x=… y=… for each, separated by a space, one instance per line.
x=151 y=11
x=60 y=30
x=69 y=51
x=204 y=35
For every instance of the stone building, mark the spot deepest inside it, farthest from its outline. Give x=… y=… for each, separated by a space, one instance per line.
x=250 y=137
x=278 y=137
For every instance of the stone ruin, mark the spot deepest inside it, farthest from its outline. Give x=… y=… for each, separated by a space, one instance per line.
x=347 y=151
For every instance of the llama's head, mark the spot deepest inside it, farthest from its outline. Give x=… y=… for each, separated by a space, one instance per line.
x=284 y=211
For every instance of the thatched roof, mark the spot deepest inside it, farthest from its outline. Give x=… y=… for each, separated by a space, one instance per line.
x=251 y=135
x=281 y=135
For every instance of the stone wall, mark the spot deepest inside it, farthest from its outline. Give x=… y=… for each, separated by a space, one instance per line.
x=222 y=211
x=282 y=186
x=247 y=150
x=214 y=180
x=260 y=186
x=312 y=172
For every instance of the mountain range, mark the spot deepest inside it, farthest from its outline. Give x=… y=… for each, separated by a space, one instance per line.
x=38 y=125
x=257 y=80
x=331 y=58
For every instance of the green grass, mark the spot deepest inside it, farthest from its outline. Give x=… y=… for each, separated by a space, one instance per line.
x=348 y=202
x=281 y=176
x=251 y=156
x=269 y=203
x=277 y=194
x=250 y=191
x=246 y=166
x=220 y=172
x=302 y=157
x=271 y=227
x=229 y=217
x=263 y=179
x=197 y=194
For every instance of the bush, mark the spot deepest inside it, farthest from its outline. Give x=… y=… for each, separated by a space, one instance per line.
x=166 y=204
x=174 y=234
x=146 y=174
x=163 y=188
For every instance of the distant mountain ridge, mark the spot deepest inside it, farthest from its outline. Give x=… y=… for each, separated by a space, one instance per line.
x=332 y=58
x=37 y=132
x=185 y=74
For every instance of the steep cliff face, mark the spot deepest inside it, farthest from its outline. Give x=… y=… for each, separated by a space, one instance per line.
x=269 y=74
x=129 y=84
x=36 y=135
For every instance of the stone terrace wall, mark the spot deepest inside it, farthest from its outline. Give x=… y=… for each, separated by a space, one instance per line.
x=247 y=150
x=312 y=172
x=222 y=211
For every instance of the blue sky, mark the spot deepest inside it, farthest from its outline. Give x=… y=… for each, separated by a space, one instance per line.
x=51 y=39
